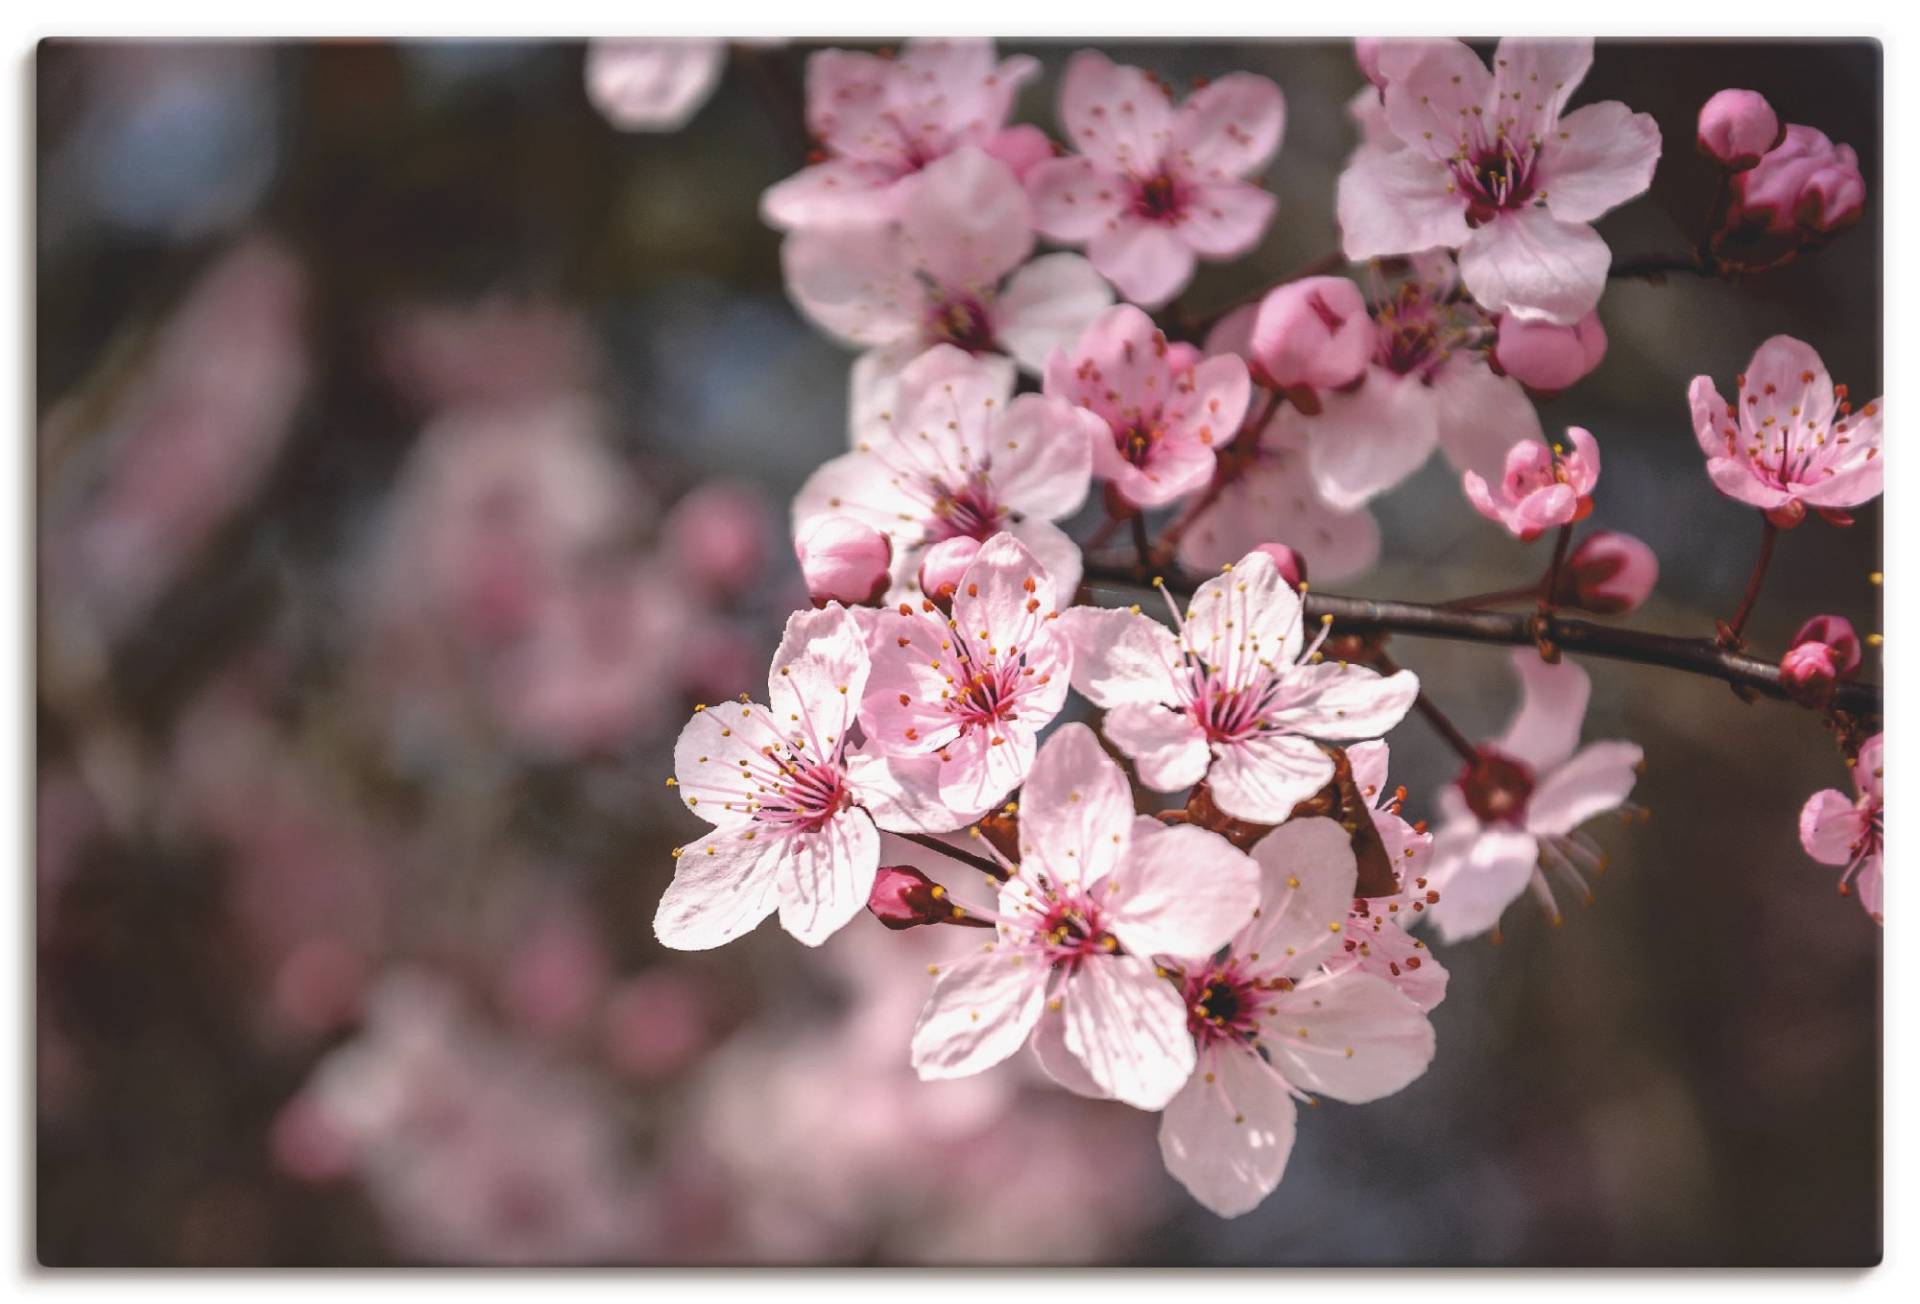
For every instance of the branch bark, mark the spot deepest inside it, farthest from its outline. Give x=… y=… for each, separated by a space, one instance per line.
x=1699 y=656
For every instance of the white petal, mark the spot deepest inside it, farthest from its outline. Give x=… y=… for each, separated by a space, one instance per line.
x=819 y=673
x=1307 y=875
x=1595 y=781
x=1553 y=704
x=723 y=885
x=1128 y=1026
x=1535 y=266
x=1263 y=777
x=1059 y=1063
x=1184 y=891
x=1168 y=750
x=1075 y=810
x=826 y=876
x=1600 y=156
x=1227 y=1140
x=1046 y=305
x=1364 y=442
x=1121 y=657
x=1350 y=1035
x=1478 y=873
x=1334 y=701
x=980 y=1010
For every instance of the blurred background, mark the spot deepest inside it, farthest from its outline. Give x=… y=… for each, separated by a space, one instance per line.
x=413 y=452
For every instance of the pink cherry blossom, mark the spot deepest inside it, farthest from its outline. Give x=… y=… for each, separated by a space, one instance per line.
x=973 y=689
x=1285 y=1011
x=952 y=269
x=1824 y=652
x=1805 y=186
x=943 y=449
x=843 y=560
x=1425 y=384
x=1490 y=164
x=652 y=85
x=1154 y=188
x=882 y=120
x=1163 y=426
x=1838 y=830
x=1515 y=813
x=776 y=784
x=1236 y=695
x=1314 y=332
x=1377 y=940
x=1793 y=439
x=1543 y=487
x=1097 y=894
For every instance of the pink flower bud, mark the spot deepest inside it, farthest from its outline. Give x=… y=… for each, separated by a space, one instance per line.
x=903 y=897
x=1313 y=332
x=1366 y=53
x=1807 y=185
x=844 y=561
x=1738 y=127
x=1292 y=566
x=1609 y=574
x=944 y=565
x=1546 y=357
x=1835 y=632
x=1808 y=672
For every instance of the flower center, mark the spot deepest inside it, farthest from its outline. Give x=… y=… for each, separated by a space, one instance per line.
x=1497 y=787
x=1495 y=178
x=1137 y=440
x=1071 y=930
x=806 y=799
x=1160 y=199
x=1222 y=1004
x=962 y=322
x=969 y=510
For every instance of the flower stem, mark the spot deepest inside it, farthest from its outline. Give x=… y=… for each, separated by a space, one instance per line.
x=989 y=868
x=1430 y=709
x=1731 y=631
x=1552 y=583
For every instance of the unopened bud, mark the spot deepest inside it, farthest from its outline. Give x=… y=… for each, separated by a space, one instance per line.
x=943 y=567
x=1609 y=574
x=1805 y=186
x=1737 y=127
x=1825 y=652
x=903 y=897
x=1546 y=357
x=1313 y=332
x=1292 y=566
x=844 y=561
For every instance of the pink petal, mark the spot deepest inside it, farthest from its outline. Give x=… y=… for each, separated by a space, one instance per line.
x=1020 y=147
x=1368 y=761
x=1788 y=382
x=854 y=283
x=1307 y=874
x=902 y=793
x=1119 y=369
x=723 y=886
x=652 y=85
x=1351 y=1036
x=1121 y=657
x=1734 y=477
x=837 y=192
x=1226 y=219
x=1262 y=778
x=1336 y=544
x=1538 y=268
x=1601 y=156
x=1075 y=198
x=1533 y=79
x=1147 y=262
x=1830 y=826
x=1480 y=416
x=1128 y=1026
x=1057 y=1062
x=825 y=877
x=1048 y=305
x=980 y=1010
x=1075 y=801
x=1334 y=701
x=967 y=221
x=1114 y=114
x=1229 y=128
x=1433 y=87
x=1478 y=872
x=1184 y=892
x=846 y=94
x=1553 y=705
x=1251 y=607
x=1042 y=456
x=1397 y=201
x=1712 y=427
x=1227 y=1135
x=1365 y=441
x=1867 y=770
x=987 y=762
x=1003 y=606
x=1168 y=750
x=818 y=675
x=1595 y=781
x=1054 y=550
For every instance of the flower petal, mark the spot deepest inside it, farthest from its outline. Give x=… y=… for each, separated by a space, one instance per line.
x=1480 y=416
x=826 y=876
x=1121 y=657
x=1333 y=701
x=1396 y=201
x=723 y=886
x=818 y=675
x=855 y=283
x=1365 y=441
x=1184 y=891
x=1830 y=827
x=980 y=1010
x=1075 y=810
x=1041 y=457
x=1263 y=777
x=1553 y=705
x=1074 y=198
x=1599 y=157
x=1595 y=781
x=1230 y=127
x=1057 y=1062
x=1168 y=750
x=1224 y=219
x=1535 y=266
x=1349 y=1035
x=1128 y=1026
x=1227 y=1135
x=1307 y=876
x=1148 y=263
x=1477 y=872
x=1047 y=305
x=967 y=222
x=1115 y=114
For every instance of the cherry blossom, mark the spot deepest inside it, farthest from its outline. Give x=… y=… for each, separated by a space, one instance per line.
x=1793 y=440
x=1543 y=487
x=1377 y=940
x=943 y=449
x=882 y=120
x=1424 y=385
x=973 y=689
x=1488 y=163
x=652 y=85
x=1847 y=831
x=1164 y=424
x=952 y=269
x=1097 y=894
x=776 y=784
x=1283 y=1012
x=1236 y=695
x=1737 y=127
x=1515 y=812
x=1154 y=188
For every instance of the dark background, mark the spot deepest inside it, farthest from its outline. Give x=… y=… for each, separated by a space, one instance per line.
x=1687 y=1073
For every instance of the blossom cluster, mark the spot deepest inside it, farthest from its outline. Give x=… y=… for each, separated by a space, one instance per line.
x=1208 y=903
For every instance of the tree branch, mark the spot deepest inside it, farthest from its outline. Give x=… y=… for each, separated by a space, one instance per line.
x=1699 y=656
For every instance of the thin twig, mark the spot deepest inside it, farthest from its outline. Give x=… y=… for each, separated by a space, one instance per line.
x=990 y=868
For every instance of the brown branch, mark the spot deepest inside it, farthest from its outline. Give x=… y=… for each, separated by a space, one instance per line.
x=1699 y=656
x=981 y=863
